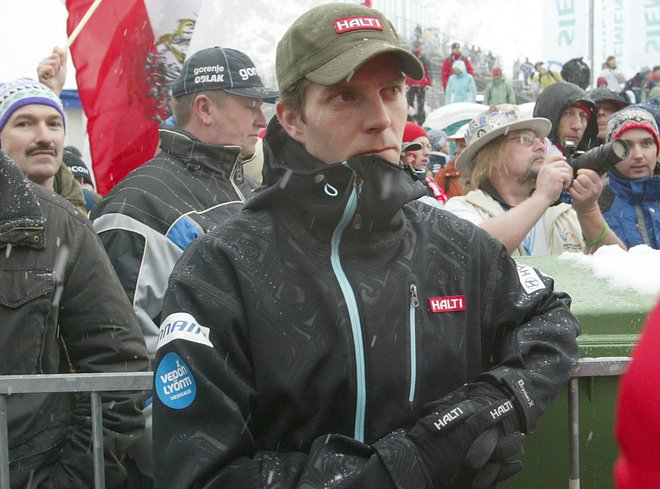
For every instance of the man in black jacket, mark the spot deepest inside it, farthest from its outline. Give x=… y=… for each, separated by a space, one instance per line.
x=338 y=332
x=191 y=186
x=62 y=310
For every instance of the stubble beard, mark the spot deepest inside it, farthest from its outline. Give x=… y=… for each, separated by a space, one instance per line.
x=528 y=177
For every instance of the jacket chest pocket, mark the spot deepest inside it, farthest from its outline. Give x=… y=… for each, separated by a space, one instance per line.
x=26 y=296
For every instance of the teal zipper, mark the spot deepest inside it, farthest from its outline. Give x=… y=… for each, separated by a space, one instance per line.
x=414 y=304
x=353 y=313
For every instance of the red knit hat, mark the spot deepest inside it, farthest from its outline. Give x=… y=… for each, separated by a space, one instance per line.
x=585 y=107
x=412 y=132
x=632 y=118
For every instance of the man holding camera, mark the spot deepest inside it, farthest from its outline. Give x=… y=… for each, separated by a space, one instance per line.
x=512 y=185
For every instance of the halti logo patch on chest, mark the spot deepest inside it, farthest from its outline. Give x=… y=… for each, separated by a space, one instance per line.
x=349 y=24
x=450 y=303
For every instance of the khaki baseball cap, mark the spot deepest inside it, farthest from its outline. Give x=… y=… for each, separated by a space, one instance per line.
x=329 y=42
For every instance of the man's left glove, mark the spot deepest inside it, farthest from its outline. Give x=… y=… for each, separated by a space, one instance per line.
x=468 y=438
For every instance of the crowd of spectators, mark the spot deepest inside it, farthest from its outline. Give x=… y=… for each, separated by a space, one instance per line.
x=235 y=291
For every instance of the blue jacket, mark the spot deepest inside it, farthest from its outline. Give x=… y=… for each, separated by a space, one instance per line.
x=460 y=88
x=635 y=200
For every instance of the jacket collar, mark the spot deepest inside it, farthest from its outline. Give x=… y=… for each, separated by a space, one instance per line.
x=636 y=192
x=21 y=219
x=196 y=154
x=67 y=187
x=315 y=194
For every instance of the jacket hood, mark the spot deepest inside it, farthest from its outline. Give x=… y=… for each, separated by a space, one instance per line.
x=21 y=219
x=558 y=97
x=459 y=64
x=294 y=180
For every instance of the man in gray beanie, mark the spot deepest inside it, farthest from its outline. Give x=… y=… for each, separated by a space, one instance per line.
x=439 y=150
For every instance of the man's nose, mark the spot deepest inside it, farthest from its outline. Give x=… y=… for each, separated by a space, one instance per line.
x=576 y=121
x=376 y=116
x=261 y=118
x=42 y=133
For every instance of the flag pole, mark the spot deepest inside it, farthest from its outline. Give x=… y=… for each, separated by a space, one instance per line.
x=81 y=24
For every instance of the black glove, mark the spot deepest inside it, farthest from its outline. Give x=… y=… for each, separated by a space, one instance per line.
x=467 y=439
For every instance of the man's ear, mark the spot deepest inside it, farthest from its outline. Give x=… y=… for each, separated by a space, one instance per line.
x=202 y=106
x=291 y=121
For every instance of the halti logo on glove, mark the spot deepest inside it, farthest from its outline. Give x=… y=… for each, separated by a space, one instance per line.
x=501 y=410
x=447 y=418
x=451 y=303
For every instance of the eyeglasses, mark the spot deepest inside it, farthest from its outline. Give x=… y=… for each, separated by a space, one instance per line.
x=525 y=139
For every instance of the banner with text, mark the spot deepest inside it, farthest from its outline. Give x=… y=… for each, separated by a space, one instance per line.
x=627 y=29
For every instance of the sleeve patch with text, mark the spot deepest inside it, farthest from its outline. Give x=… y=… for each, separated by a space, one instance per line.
x=529 y=279
x=182 y=326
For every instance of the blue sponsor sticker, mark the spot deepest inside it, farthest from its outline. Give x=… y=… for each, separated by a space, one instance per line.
x=175 y=384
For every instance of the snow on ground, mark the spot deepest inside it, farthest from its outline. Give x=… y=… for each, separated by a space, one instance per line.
x=637 y=269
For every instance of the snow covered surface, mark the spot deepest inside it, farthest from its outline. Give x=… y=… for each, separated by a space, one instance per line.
x=637 y=269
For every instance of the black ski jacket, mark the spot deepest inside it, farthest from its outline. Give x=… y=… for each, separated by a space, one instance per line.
x=304 y=336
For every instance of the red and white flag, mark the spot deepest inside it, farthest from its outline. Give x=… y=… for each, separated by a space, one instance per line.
x=126 y=59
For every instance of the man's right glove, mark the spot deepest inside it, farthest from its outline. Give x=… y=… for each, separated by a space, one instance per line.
x=467 y=440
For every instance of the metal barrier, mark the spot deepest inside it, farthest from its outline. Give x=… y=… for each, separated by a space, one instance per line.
x=94 y=383
x=140 y=381
x=586 y=367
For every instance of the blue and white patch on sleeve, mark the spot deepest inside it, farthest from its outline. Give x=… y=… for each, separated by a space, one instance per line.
x=529 y=279
x=175 y=385
x=182 y=326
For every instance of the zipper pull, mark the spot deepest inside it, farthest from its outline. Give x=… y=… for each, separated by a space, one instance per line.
x=357 y=219
x=414 y=299
x=357 y=182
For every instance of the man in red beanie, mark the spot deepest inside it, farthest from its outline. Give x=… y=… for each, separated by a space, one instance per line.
x=634 y=213
x=416 y=151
